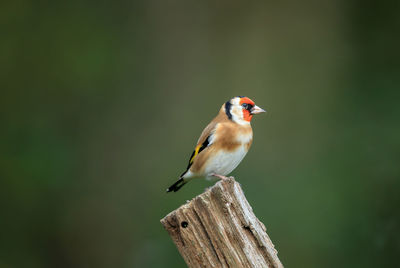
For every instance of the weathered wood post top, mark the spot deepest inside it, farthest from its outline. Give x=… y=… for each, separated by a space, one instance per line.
x=219 y=229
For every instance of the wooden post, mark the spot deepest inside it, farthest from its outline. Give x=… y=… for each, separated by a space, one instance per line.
x=219 y=229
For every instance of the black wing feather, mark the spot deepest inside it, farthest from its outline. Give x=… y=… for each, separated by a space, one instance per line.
x=202 y=147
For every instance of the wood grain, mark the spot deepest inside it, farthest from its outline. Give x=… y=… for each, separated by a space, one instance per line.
x=219 y=229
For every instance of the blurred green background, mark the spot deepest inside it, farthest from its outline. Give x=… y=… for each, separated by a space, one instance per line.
x=102 y=103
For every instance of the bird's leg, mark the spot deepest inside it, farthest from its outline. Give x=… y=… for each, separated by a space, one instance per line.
x=221 y=177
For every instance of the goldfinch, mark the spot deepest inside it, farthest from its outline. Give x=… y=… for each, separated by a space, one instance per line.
x=223 y=143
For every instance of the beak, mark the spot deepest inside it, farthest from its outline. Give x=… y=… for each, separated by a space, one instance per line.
x=257 y=110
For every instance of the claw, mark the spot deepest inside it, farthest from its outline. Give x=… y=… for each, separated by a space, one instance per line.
x=221 y=177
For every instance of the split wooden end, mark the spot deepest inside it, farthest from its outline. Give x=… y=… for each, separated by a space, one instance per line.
x=219 y=229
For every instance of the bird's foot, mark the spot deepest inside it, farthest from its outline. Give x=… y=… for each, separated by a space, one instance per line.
x=221 y=177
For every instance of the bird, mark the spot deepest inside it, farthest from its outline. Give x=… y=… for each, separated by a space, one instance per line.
x=223 y=143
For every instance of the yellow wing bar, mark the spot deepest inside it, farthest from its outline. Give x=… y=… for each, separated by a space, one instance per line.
x=195 y=153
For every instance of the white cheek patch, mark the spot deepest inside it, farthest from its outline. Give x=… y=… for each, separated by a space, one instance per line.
x=237 y=116
x=237 y=112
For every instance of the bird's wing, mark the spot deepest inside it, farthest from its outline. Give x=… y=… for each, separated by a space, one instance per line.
x=206 y=138
x=204 y=141
x=210 y=128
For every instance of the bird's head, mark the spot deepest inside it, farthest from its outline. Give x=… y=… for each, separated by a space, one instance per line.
x=241 y=109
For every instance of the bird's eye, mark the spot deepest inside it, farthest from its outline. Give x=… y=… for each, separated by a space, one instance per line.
x=245 y=105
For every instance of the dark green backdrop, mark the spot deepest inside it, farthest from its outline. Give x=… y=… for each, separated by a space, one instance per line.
x=102 y=102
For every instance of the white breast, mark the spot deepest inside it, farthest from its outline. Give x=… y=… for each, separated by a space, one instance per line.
x=224 y=162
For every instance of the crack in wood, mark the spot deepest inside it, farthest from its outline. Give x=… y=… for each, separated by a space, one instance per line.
x=222 y=232
x=209 y=238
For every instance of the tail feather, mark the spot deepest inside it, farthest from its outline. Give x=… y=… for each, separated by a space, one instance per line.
x=177 y=185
